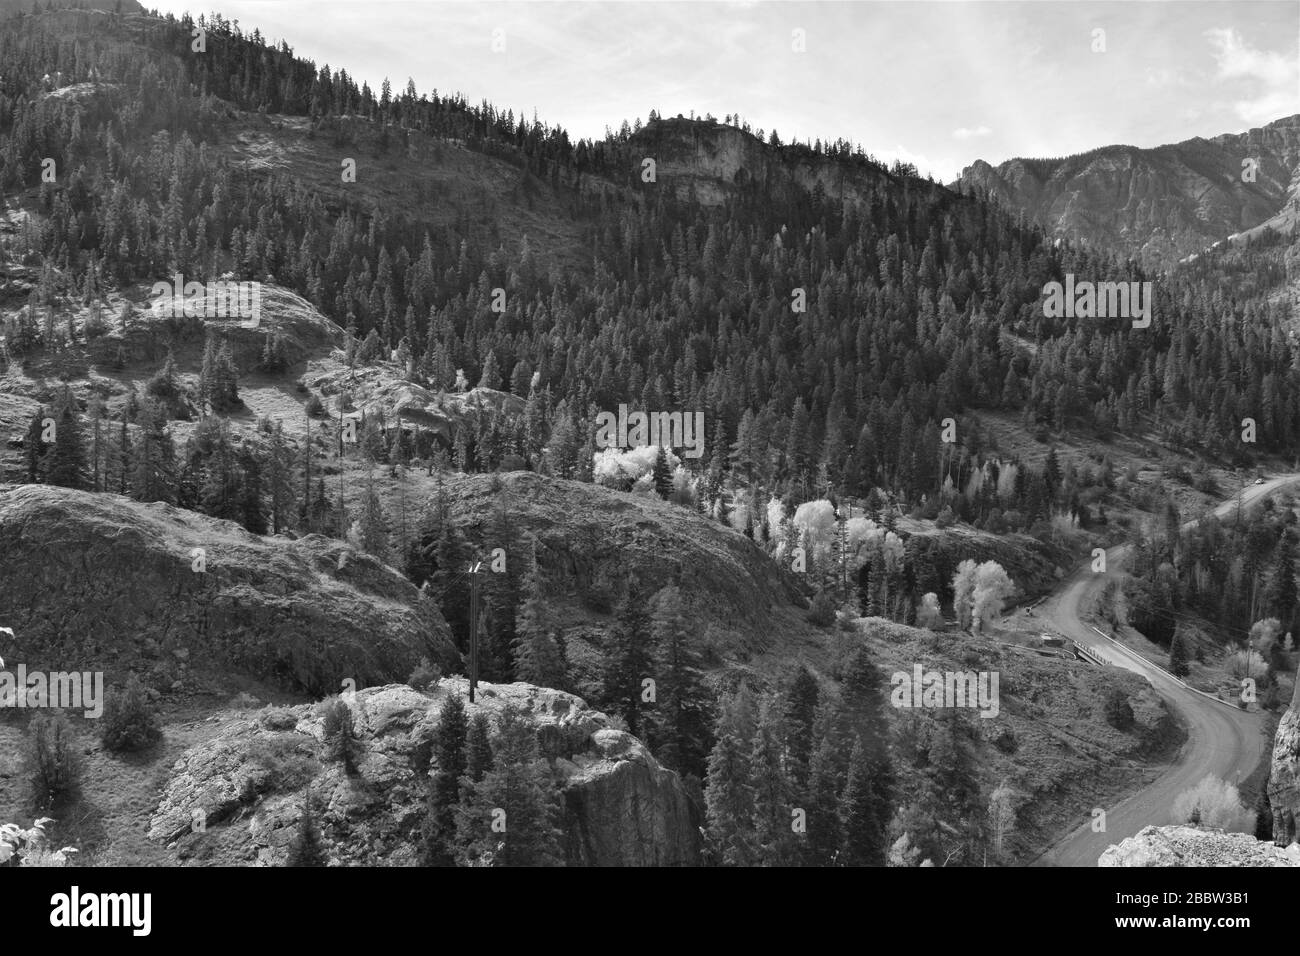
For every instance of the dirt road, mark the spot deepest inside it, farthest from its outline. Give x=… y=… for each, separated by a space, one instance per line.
x=1221 y=740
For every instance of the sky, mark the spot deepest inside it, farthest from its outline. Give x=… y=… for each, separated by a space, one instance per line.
x=938 y=84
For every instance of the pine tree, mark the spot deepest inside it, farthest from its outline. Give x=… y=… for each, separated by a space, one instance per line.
x=861 y=717
x=307 y=847
x=1051 y=473
x=252 y=513
x=511 y=816
x=34 y=448
x=491 y=377
x=1179 y=664
x=121 y=459
x=801 y=699
x=339 y=733
x=774 y=839
x=478 y=748
x=164 y=386
x=729 y=795
x=222 y=380
x=860 y=807
x=449 y=742
x=822 y=844
x=662 y=475
x=65 y=464
x=370 y=531
x=1282 y=588
x=629 y=660
x=279 y=480
x=536 y=652
x=153 y=476
x=678 y=723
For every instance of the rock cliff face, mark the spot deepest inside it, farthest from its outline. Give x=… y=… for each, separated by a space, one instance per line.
x=714 y=162
x=1192 y=846
x=100 y=580
x=248 y=785
x=1161 y=204
x=1284 y=776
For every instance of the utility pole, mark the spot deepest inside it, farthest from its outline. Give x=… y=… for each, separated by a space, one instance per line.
x=473 y=627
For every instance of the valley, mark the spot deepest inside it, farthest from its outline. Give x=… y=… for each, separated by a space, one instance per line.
x=323 y=401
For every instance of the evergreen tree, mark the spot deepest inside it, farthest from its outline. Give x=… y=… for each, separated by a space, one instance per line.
x=774 y=839
x=677 y=723
x=307 y=848
x=478 y=748
x=861 y=723
x=662 y=475
x=1282 y=588
x=449 y=741
x=339 y=734
x=801 y=699
x=223 y=380
x=34 y=448
x=1179 y=657
x=369 y=532
x=165 y=386
x=447 y=583
x=491 y=377
x=279 y=480
x=65 y=464
x=729 y=795
x=536 y=652
x=153 y=476
x=863 y=829
x=822 y=843
x=511 y=816
x=252 y=513
x=629 y=660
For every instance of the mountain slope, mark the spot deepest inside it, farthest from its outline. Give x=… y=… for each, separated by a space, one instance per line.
x=95 y=580
x=1158 y=205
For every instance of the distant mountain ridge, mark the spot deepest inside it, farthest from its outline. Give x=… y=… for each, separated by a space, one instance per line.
x=1158 y=205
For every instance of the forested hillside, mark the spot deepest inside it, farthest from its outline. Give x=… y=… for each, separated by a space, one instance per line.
x=919 y=303
x=448 y=289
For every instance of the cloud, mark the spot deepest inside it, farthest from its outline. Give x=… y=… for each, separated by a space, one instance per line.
x=944 y=170
x=963 y=132
x=1264 y=82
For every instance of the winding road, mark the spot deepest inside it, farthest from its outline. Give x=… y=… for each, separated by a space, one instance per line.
x=1221 y=739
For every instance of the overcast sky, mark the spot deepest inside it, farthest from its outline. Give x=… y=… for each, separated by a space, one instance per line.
x=939 y=84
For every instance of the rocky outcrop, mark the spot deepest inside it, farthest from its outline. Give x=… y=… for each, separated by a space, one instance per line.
x=591 y=541
x=1193 y=846
x=249 y=784
x=1284 y=774
x=1158 y=205
x=382 y=391
x=712 y=162
x=101 y=580
x=303 y=331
